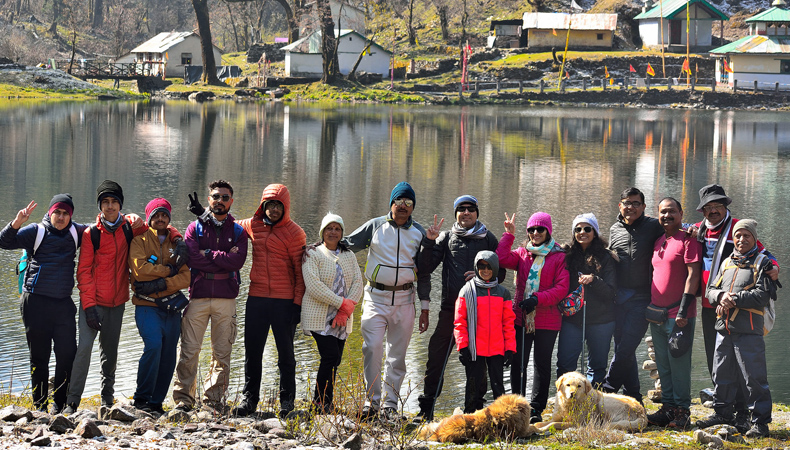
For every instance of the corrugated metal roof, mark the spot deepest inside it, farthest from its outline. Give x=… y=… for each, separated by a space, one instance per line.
x=312 y=42
x=756 y=44
x=774 y=14
x=671 y=8
x=162 y=42
x=560 y=21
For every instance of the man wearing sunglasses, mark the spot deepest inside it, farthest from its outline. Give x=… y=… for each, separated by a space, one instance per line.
x=455 y=250
x=217 y=251
x=632 y=238
x=388 y=308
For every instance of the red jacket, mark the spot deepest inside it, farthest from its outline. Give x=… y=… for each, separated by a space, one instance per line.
x=494 y=333
x=276 y=250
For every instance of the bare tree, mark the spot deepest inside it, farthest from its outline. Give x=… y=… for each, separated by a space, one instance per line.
x=328 y=42
x=206 y=44
x=410 y=24
x=97 y=14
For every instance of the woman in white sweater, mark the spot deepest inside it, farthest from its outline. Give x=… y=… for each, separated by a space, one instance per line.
x=333 y=285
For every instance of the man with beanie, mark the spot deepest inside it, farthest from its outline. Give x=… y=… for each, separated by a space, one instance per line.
x=455 y=250
x=715 y=233
x=275 y=300
x=46 y=304
x=103 y=282
x=157 y=279
x=676 y=273
x=632 y=237
x=743 y=296
x=217 y=250
x=388 y=309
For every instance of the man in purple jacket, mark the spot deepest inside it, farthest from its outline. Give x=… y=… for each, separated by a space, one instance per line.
x=217 y=251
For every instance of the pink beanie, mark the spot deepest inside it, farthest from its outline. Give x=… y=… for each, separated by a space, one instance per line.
x=540 y=219
x=154 y=206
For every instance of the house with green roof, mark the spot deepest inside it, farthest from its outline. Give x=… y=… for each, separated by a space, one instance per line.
x=763 y=56
x=671 y=15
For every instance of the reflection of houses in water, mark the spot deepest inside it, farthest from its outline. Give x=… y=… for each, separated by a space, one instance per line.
x=746 y=137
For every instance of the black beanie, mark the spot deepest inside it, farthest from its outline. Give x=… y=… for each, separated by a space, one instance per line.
x=109 y=188
x=64 y=200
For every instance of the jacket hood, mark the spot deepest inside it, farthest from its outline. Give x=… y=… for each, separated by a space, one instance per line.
x=277 y=192
x=489 y=257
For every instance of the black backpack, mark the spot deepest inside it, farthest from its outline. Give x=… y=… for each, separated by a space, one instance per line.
x=96 y=234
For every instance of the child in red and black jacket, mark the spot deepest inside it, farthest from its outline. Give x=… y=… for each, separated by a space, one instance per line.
x=484 y=331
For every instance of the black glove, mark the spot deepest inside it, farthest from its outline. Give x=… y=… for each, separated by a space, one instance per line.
x=92 y=318
x=194 y=205
x=296 y=314
x=173 y=270
x=465 y=356
x=509 y=357
x=150 y=287
x=174 y=304
x=181 y=253
x=528 y=304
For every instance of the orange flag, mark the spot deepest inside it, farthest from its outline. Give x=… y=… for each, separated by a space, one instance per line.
x=631 y=68
x=606 y=72
x=727 y=67
x=686 y=67
x=567 y=75
x=650 y=70
x=553 y=31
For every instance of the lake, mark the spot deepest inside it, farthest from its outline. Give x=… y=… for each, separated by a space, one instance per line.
x=346 y=159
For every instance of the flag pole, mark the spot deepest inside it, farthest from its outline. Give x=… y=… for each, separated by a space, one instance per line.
x=661 y=13
x=688 y=74
x=565 y=54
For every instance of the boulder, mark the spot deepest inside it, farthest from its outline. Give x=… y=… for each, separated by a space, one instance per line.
x=354 y=442
x=201 y=96
x=88 y=429
x=42 y=441
x=61 y=424
x=12 y=413
x=123 y=413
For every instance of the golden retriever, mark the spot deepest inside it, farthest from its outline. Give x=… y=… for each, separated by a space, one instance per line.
x=506 y=417
x=577 y=403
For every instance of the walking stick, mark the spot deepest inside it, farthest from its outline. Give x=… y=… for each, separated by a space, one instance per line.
x=522 y=388
x=584 y=332
x=441 y=378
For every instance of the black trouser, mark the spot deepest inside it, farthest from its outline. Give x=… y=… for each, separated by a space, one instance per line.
x=331 y=350
x=544 y=341
x=710 y=334
x=476 y=381
x=49 y=321
x=261 y=314
x=441 y=340
x=629 y=330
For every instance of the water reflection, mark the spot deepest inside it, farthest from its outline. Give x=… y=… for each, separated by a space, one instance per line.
x=345 y=159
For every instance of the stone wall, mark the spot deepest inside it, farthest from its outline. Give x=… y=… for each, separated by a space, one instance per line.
x=273 y=52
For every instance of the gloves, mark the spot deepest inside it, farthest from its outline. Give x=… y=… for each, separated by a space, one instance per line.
x=194 y=205
x=173 y=270
x=150 y=287
x=174 y=304
x=509 y=357
x=345 y=311
x=528 y=304
x=296 y=314
x=465 y=356
x=180 y=253
x=92 y=318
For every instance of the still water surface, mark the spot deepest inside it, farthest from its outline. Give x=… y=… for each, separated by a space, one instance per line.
x=346 y=159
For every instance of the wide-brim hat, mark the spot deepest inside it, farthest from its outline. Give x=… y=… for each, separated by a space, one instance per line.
x=712 y=193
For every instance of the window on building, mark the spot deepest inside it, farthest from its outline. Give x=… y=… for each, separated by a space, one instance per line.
x=600 y=36
x=784 y=66
x=186 y=59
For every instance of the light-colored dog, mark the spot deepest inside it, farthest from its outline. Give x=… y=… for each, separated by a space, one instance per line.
x=506 y=417
x=577 y=403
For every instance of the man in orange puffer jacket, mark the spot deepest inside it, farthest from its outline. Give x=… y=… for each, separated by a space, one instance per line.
x=276 y=290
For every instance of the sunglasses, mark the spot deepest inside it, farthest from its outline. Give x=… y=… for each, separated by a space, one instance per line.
x=584 y=229
x=274 y=205
x=223 y=197
x=403 y=202
x=469 y=209
x=538 y=230
x=483 y=267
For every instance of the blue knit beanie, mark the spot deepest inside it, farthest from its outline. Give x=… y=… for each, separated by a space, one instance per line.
x=402 y=190
x=589 y=218
x=464 y=199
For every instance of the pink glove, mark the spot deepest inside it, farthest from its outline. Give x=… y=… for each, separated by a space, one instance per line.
x=345 y=311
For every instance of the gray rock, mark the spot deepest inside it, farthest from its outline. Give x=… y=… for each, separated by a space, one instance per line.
x=122 y=413
x=12 y=413
x=37 y=433
x=42 y=441
x=273 y=423
x=261 y=426
x=177 y=415
x=243 y=446
x=22 y=421
x=104 y=412
x=143 y=425
x=151 y=434
x=61 y=424
x=191 y=428
x=354 y=442
x=88 y=429
x=124 y=443
x=166 y=435
x=220 y=427
x=281 y=433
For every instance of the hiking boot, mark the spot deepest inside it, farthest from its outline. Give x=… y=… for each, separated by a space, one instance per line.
x=183 y=407
x=758 y=430
x=422 y=416
x=743 y=421
x=714 y=419
x=142 y=406
x=535 y=417
x=107 y=401
x=662 y=417
x=156 y=408
x=368 y=413
x=55 y=409
x=285 y=408
x=69 y=409
x=681 y=420
x=390 y=415
x=245 y=408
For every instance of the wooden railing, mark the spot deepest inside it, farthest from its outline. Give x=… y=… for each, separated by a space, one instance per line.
x=91 y=69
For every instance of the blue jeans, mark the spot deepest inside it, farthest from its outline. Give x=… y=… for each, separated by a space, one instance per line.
x=675 y=373
x=160 y=331
x=599 y=340
x=629 y=331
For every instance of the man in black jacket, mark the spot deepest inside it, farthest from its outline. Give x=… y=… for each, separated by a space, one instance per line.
x=456 y=249
x=632 y=238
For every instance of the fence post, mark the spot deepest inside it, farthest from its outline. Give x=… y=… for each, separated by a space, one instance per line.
x=584 y=84
x=603 y=84
x=477 y=87
x=755 y=86
x=776 y=88
x=497 y=86
x=562 y=86
x=693 y=83
x=461 y=90
x=647 y=83
x=520 y=87
x=627 y=82
x=713 y=84
x=669 y=84
x=541 y=86
x=734 y=86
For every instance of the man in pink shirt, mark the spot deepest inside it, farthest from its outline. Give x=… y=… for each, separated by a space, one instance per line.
x=676 y=279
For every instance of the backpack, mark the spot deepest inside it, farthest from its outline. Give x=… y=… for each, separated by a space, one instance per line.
x=96 y=235
x=769 y=312
x=24 y=260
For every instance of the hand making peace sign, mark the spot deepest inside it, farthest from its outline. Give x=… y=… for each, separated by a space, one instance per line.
x=433 y=231
x=510 y=223
x=23 y=215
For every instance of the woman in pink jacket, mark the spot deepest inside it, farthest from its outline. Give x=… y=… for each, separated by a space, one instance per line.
x=541 y=282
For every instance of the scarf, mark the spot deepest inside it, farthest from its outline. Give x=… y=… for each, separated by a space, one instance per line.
x=742 y=260
x=724 y=228
x=469 y=292
x=112 y=226
x=478 y=231
x=533 y=279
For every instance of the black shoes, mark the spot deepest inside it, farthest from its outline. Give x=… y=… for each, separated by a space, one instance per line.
x=758 y=430
x=714 y=419
x=245 y=408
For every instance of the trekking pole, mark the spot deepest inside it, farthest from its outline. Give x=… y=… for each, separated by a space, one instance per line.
x=522 y=388
x=441 y=376
x=584 y=331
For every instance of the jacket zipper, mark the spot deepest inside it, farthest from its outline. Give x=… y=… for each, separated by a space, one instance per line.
x=397 y=266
